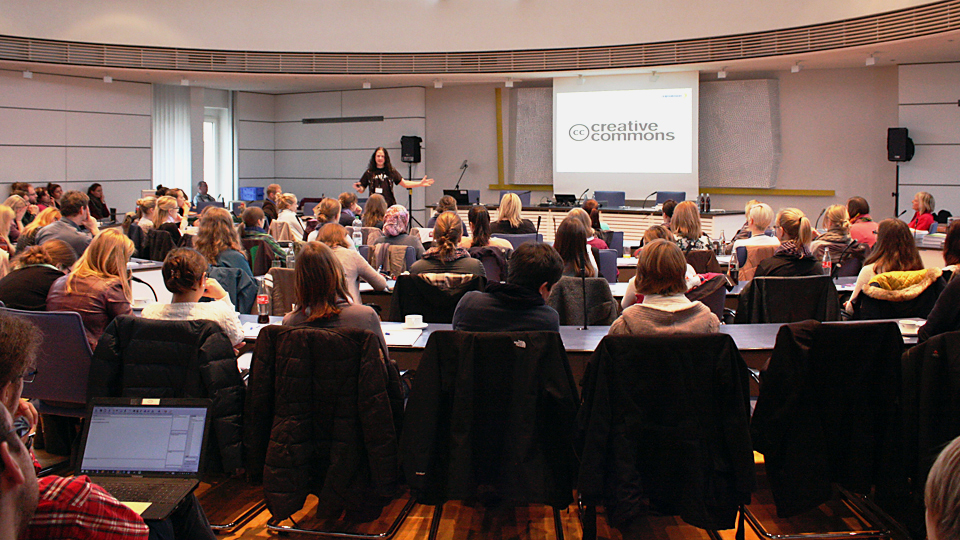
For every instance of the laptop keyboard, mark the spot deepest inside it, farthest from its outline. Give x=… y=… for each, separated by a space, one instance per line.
x=144 y=491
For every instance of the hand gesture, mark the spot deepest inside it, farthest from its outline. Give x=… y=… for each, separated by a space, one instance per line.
x=357 y=186
x=213 y=289
x=426 y=181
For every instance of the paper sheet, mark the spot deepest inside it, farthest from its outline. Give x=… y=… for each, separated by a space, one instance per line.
x=251 y=329
x=401 y=337
x=138 y=507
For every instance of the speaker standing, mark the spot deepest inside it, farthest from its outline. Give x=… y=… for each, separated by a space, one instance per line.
x=380 y=177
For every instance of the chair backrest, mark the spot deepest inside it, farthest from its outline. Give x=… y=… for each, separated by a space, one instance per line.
x=713 y=294
x=370 y=234
x=281 y=231
x=135 y=234
x=386 y=256
x=204 y=204
x=749 y=257
x=156 y=244
x=610 y=198
x=614 y=240
x=63 y=357
x=868 y=307
x=494 y=261
x=703 y=261
x=696 y=384
x=608 y=264
x=664 y=196
x=258 y=203
x=507 y=416
x=567 y=298
x=283 y=293
x=259 y=254
x=826 y=408
x=308 y=208
x=517 y=239
x=414 y=295
x=239 y=286
x=788 y=299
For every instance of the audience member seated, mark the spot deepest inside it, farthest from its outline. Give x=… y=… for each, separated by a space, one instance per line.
x=923 y=205
x=793 y=257
x=327 y=212
x=941 y=495
x=33 y=272
x=28 y=236
x=571 y=243
x=44 y=200
x=745 y=231
x=479 y=220
x=19 y=205
x=592 y=239
x=253 y=222
x=270 y=202
x=323 y=300
x=56 y=193
x=374 y=211
x=354 y=265
x=98 y=205
x=661 y=280
x=98 y=288
x=185 y=275
x=592 y=208
x=656 y=232
x=759 y=218
x=508 y=217
x=445 y=256
x=287 y=213
x=202 y=196
x=7 y=218
x=217 y=240
x=169 y=218
x=55 y=506
x=862 y=227
x=349 y=209
x=951 y=251
x=395 y=230
x=520 y=303
x=445 y=204
x=29 y=194
x=894 y=251
x=686 y=227
x=666 y=210
x=836 y=240
x=146 y=214
x=77 y=227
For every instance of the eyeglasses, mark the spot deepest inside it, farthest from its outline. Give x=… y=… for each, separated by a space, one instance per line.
x=21 y=427
x=29 y=376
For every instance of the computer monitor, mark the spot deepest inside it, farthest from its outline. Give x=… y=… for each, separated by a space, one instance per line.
x=251 y=193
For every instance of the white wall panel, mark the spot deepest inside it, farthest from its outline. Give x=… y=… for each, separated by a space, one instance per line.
x=932 y=124
x=932 y=165
x=30 y=163
x=31 y=127
x=252 y=106
x=929 y=83
x=255 y=135
x=96 y=164
x=316 y=187
x=386 y=133
x=118 y=97
x=309 y=136
x=256 y=164
x=308 y=164
x=296 y=107
x=118 y=130
x=40 y=92
x=388 y=102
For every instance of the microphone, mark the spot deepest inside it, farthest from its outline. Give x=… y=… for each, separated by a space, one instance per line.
x=583 y=285
x=817 y=223
x=463 y=169
x=645 y=199
x=463 y=165
x=902 y=213
x=138 y=280
x=580 y=198
x=538 y=223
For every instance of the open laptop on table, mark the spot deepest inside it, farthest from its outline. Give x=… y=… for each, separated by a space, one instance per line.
x=148 y=453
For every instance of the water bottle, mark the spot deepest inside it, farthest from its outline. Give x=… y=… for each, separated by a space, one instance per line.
x=291 y=258
x=263 y=303
x=357 y=232
x=707 y=203
x=826 y=264
x=734 y=267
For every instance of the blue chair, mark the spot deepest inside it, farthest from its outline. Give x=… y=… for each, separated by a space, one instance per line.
x=678 y=196
x=517 y=239
x=614 y=240
x=202 y=205
x=608 y=265
x=308 y=208
x=524 y=196
x=610 y=199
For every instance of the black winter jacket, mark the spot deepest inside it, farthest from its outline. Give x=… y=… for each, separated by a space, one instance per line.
x=665 y=423
x=138 y=357
x=492 y=409
x=322 y=417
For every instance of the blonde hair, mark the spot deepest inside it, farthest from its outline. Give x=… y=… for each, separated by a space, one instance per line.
x=750 y=204
x=46 y=216
x=286 y=200
x=106 y=258
x=584 y=218
x=165 y=204
x=16 y=202
x=941 y=495
x=510 y=209
x=7 y=215
x=761 y=214
x=795 y=225
x=927 y=203
x=838 y=216
x=144 y=204
x=686 y=220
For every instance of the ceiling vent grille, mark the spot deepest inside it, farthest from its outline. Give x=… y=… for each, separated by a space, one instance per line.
x=913 y=22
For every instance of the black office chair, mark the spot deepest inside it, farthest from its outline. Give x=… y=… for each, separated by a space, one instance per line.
x=416 y=295
x=567 y=297
x=918 y=300
x=788 y=299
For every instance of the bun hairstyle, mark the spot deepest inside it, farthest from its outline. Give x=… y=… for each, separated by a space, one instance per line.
x=286 y=201
x=168 y=206
x=838 y=216
x=183 y=269
x=795 y=225
x=447 y=233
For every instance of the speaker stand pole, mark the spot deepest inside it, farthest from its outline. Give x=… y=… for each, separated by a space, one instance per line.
x=413 y=218
x=896 y=194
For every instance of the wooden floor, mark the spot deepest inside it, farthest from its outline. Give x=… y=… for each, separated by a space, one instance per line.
x=469 y=522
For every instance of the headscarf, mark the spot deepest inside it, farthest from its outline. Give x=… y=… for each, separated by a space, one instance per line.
x=395 y=220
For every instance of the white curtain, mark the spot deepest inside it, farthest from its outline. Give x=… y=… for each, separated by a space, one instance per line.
x=171 y=137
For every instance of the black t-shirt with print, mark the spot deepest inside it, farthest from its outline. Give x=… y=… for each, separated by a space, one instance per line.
x=379 y=181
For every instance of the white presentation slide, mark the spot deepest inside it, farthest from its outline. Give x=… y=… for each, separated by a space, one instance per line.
x=631 y=133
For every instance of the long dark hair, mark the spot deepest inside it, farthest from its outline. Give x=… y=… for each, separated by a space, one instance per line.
x=479 y=220
x=387 y=166
x=571 y=243
x=319 y=281
x=895 y=249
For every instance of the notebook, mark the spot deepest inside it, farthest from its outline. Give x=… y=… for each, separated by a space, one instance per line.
x=148 y=453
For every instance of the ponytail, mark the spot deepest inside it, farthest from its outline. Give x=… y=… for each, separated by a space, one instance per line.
x=805 y=234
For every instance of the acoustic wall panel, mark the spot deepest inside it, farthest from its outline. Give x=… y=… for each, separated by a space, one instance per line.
x=533 y=151
x=359 y=134
x=256 y=164
x=308 y=164
x=98 y=164
x=40 y=92
x=931 y=165
x=253 y=106
x=32 y=127
x=108 y=130
x=93 y=95
x=255 y=135
x=295 y=135
x=929 y=83
x=933 y=123
x=386 y=102
x=32 y=163
x=296 y=107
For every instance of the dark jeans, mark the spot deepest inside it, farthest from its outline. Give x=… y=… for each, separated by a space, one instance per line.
x=187 y=522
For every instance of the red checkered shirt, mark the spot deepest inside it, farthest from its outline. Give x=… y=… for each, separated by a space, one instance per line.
x=78 y=509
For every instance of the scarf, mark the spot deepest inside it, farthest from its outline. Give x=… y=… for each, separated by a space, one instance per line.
x=456 y=254
x=835 y=236
x=791 y=248
x=395 y=221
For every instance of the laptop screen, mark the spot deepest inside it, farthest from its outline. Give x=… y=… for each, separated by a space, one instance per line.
x=131 y=440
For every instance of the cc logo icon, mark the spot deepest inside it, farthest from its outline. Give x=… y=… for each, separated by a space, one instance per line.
x=579 y=132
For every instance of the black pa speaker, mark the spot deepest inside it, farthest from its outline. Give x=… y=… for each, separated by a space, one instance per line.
x=899 y=145
x=410 y=149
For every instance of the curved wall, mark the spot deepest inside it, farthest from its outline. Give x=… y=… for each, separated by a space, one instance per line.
x=413 y=25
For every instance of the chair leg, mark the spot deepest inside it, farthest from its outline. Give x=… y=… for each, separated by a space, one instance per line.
x=588 y=520
x=435 y=523
x=558 y=523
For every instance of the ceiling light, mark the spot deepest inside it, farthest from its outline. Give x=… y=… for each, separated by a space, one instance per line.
x=28 y=74
x=722 y=74
x=437 y=83
x=366 y=85
x=107 y=79
x=871 y=60
x=795 y=68
x=509 y=83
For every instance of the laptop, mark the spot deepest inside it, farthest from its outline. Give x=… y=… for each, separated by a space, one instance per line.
x=565 y=199
x=148 y=453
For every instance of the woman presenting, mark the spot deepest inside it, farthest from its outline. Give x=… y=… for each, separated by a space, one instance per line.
x=381 y=176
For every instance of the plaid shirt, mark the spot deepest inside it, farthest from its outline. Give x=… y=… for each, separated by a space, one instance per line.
x=78 y=509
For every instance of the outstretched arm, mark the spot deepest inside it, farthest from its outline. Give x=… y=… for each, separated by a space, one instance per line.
x=422 y=183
